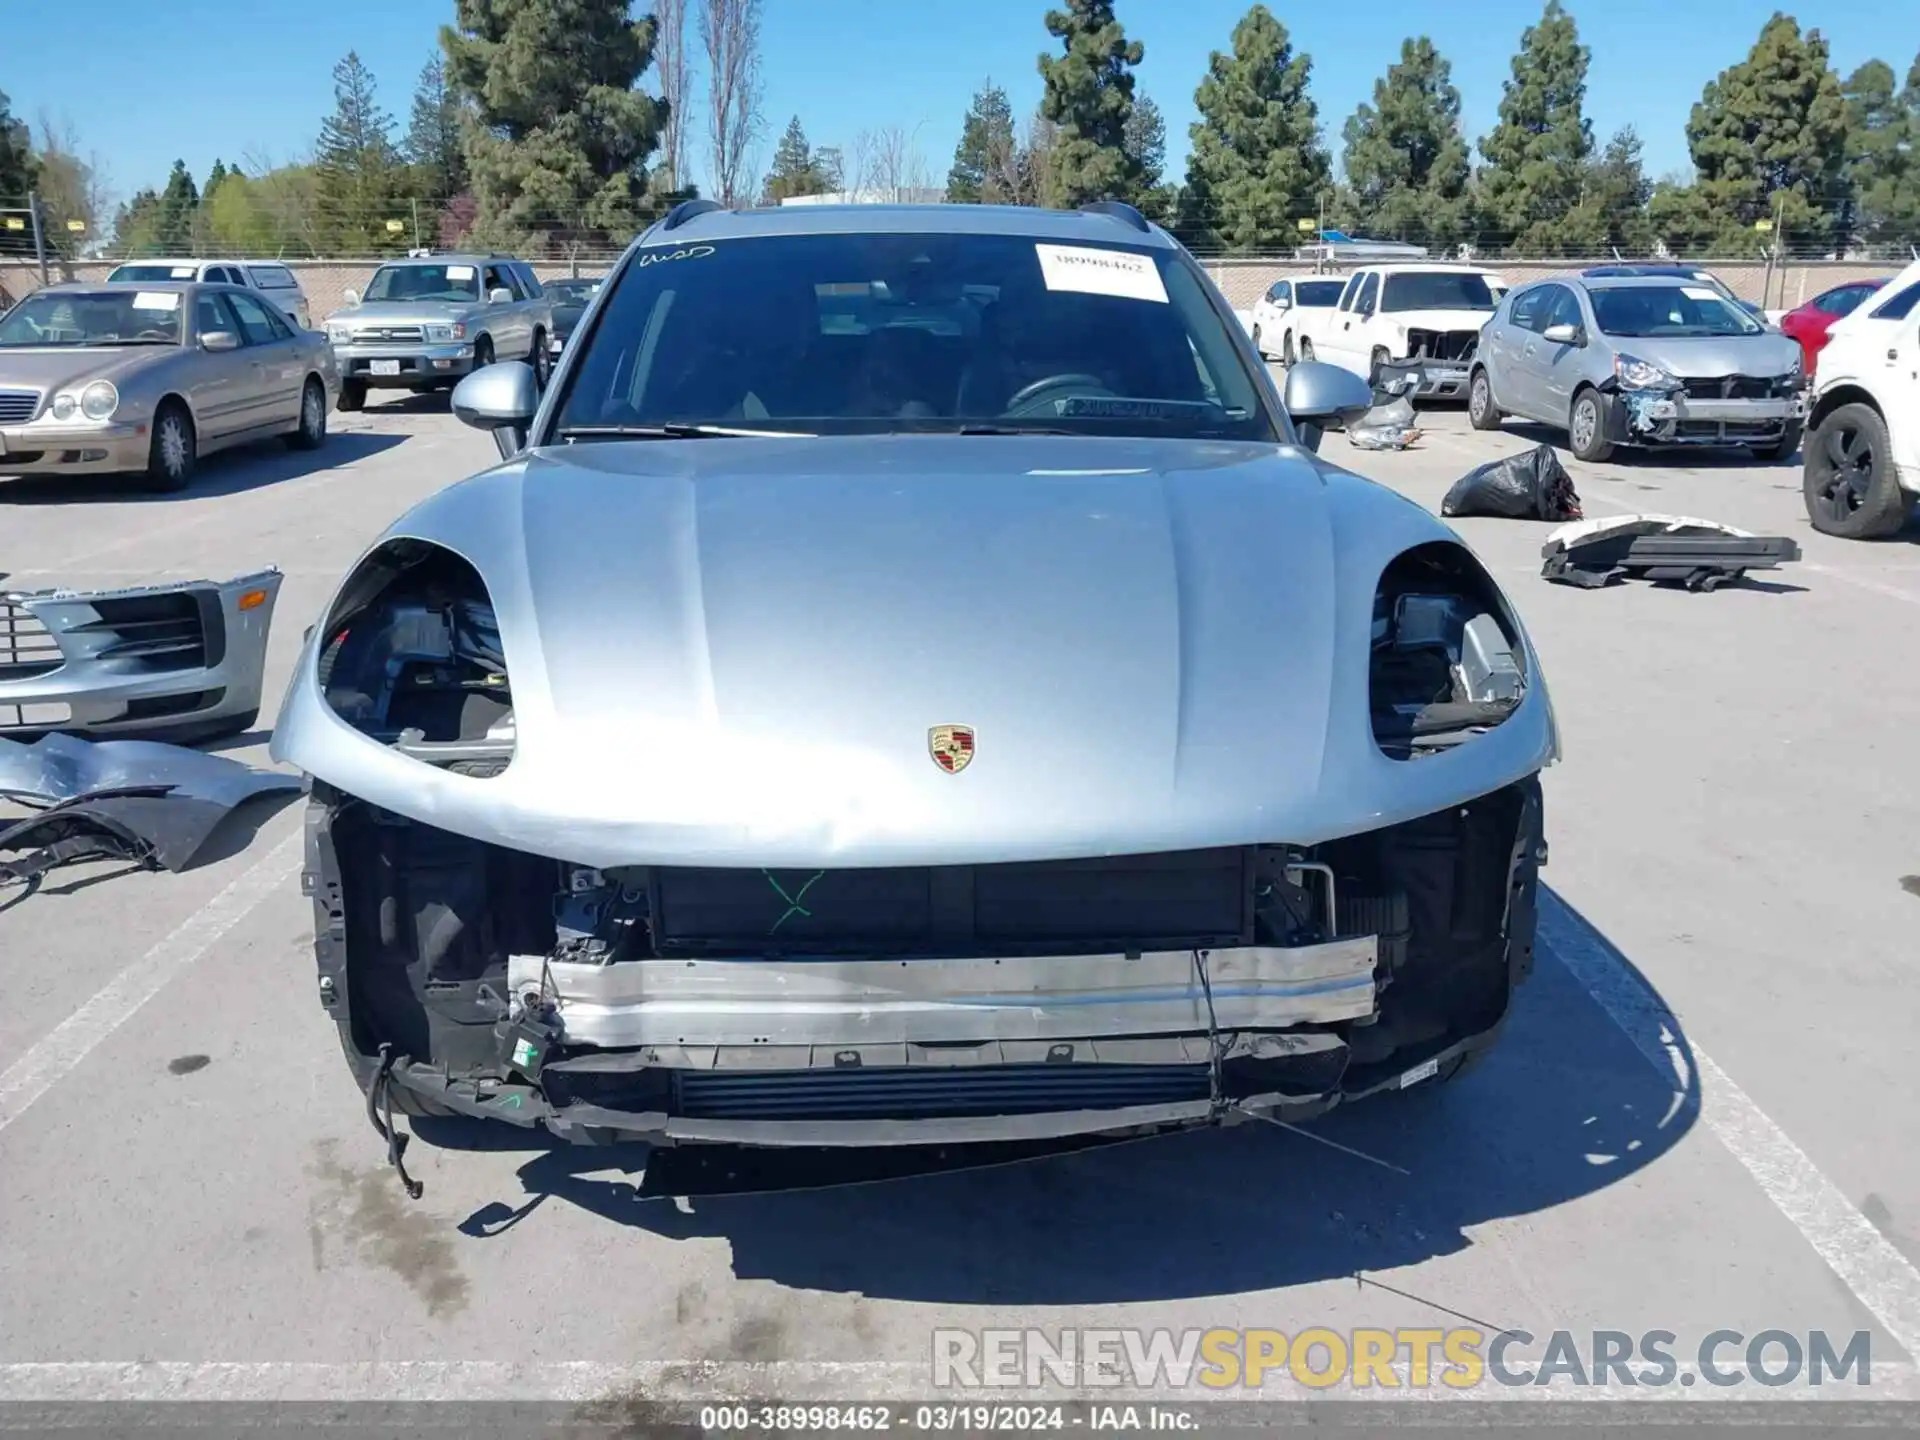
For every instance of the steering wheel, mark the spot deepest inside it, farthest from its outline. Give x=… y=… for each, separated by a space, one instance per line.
x=153 y=335
x=1027 y=394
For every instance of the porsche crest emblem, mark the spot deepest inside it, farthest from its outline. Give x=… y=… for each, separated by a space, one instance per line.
x=951 y=747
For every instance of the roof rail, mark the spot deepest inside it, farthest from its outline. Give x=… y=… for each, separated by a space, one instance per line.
x=687 y=210
x=1120 y=210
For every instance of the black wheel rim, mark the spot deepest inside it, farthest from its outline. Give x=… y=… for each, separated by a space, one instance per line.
x=1844 y=475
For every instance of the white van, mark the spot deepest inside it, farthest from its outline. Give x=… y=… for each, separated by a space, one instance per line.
x=274 y=281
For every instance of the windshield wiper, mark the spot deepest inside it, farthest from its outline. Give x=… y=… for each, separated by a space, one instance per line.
x=998 y=430
x=674 y=430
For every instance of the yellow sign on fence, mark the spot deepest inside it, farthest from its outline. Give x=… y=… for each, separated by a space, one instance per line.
x=1303 y=225
x=394 y=227
x=78 y=227
x=1763 y=226
x=14 y=222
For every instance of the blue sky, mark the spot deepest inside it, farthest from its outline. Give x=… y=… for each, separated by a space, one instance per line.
x=144 y=83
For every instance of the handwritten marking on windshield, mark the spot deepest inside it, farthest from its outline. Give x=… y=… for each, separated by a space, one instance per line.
x=692 y=252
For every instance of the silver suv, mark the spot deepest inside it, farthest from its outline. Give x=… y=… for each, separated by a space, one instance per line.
x=427 y=320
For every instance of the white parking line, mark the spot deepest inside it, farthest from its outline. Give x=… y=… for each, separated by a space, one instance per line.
x=75 y=1037
x=1866 y=1262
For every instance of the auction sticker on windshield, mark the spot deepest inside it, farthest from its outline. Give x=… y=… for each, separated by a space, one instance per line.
x=156 y=300
x=1101 y=272
x=459 y=272
x=1699 y=292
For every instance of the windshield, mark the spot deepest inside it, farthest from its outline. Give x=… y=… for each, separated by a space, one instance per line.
x=870 y=334
x=148 y=273
x=424 y=282
x=96 y=317
x=1313 y=293
x=1436 y=290
x=1648 y=310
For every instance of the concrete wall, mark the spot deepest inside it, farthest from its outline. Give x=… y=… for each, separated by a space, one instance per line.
x=1242 y=280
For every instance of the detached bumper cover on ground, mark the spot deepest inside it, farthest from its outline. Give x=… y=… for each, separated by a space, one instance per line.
x=176 y=662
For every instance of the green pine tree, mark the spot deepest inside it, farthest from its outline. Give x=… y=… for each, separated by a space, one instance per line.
x=796 y=168
x=560 y=134
x=178 y=208
x=1256 y=164
x=1883 y=152
x=434 y=145
x=1537 y=154
x=1408 y=166
x=356 y=167
x=1089 y=97
x=1146 y=142
x=18 y=173
x=987 y=158
x=1769 y=143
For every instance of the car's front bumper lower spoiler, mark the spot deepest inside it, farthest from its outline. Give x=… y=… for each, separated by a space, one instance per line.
x=415 y=365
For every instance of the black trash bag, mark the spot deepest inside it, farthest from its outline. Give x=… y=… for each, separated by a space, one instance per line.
x=1533 y=486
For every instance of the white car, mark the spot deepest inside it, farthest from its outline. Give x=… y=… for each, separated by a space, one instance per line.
x=1283 y=309
x=274 y=281
x=1430 y=313
x=1862 y=451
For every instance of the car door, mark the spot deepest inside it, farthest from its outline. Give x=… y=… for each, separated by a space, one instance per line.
x=276 y=358
x=507 y=323
x=1347 y=335
x=1273 y=307
x=1523 y=388
x=223 y=387
x=1898 y=378
x=1559 y=365
x=539 y=305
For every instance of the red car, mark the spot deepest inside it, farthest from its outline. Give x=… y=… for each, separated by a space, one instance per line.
x=1810 y=323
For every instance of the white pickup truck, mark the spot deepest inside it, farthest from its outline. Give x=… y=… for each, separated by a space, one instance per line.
x=1430 y=314
x=1861 y=457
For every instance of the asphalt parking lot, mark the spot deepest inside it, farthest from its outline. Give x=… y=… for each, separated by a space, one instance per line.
x=1702 y=1116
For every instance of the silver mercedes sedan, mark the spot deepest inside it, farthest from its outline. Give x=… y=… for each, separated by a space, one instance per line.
x=912 y=681
x=147 y=378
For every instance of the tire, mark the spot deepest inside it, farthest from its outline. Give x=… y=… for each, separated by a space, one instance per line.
x=1375 y=363
x=1850 y=485
x=541 y=361
x=311 y=433
x=1782 y=450
x=1286 y=348
x=353 y=395
x=1306 y=350
x=174 y=452
x=1258 y=348
x=1587 y=427
x=482 y=352
x=1482 y=413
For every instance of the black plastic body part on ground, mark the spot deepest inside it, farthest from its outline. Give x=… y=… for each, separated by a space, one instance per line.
x=1699 y=562
x=413 y=926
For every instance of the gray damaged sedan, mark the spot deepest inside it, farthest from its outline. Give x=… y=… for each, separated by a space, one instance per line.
x=147 y=378
x=1649 y=360
x=911 y=681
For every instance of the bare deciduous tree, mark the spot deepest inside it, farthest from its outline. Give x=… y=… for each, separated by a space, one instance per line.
x=730 y=34
x=73 y=187
x=885 y=161
x=670 y=60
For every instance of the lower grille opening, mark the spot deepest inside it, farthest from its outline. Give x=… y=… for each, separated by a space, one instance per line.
x=917 y=1092
x=27 y=648
x=161 y=706
x=167 y=632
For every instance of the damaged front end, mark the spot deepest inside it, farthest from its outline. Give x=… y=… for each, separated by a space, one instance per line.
x=178 y=662
x=1654 y=407
x=797 y=1006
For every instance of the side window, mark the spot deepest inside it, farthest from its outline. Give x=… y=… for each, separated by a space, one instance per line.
x=1564 y=309
x=1530 y=305
x=1283 y=292
x=532 y=281
x=1838 y=302
x=1353 y=288
x=210 y=313
x=1369 y=294
x=492 y=279
x=1899 y=306
x=254 y=320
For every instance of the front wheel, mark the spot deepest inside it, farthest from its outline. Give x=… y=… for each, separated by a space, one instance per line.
x=542 y=362
x=1782 y=450
x=311 y=433
x=1850 y=485
x=353 y=395
x=1306 y=349
x=1377 y=363
x=1587 y=427
x=1482 y=413
x=173 y=453
x=1258 y=348
x=1286 y=348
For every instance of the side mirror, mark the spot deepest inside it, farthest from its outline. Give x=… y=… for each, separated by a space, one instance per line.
x=499 y=295
x=1563 y=335
x=218 y=341
x=350 y=296
x=1317 y=393
x=500 y=398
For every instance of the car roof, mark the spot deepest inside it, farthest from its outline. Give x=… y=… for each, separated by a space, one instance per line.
x=1020 y=221
x=458 y=257
x=1628 y=280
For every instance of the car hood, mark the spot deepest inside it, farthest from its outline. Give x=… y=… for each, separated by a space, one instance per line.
x=405 y=312
x=1705 y=357
x=62 y=367
x=1438 y=319
x=565 y=317
x=739 y=657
